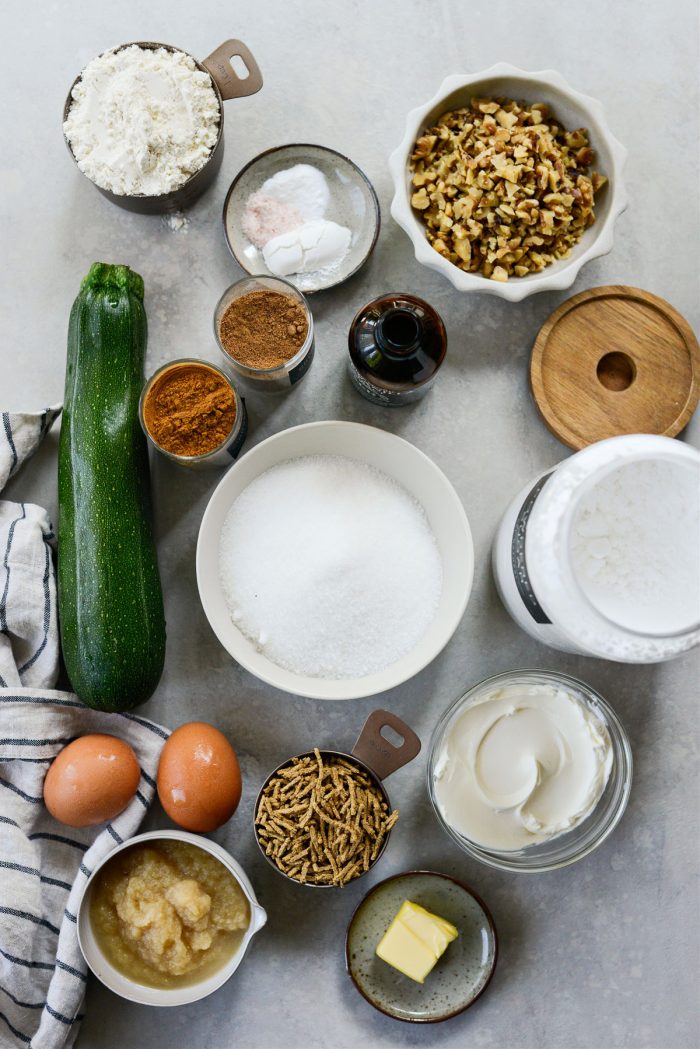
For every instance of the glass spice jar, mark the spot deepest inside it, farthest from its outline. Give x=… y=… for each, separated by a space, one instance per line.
x=224 y=453
x=289 y=371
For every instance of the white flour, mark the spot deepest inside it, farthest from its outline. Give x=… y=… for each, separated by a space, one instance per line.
x=177 y=221
x=636 y=549
x=330 y=567
x=142 y=121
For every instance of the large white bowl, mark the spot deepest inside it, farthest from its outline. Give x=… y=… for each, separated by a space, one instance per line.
x=407 y=465
x=573 y=110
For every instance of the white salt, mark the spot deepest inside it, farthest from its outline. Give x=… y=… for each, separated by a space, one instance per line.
x=267 y=217
x=636 y=549
x=330 y=567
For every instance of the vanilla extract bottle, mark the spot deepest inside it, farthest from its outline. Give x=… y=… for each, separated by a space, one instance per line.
x=397 y=344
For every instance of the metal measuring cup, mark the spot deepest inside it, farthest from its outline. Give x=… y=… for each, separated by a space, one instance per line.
x=227 y=84
x=374 y=755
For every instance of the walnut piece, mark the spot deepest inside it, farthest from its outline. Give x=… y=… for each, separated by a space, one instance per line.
x=503 y=188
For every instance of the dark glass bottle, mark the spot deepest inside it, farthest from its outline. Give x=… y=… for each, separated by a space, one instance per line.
x=397 y=343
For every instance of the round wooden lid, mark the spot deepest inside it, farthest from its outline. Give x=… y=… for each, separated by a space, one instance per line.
x=615 y=360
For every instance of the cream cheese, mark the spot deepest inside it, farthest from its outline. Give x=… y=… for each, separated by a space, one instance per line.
x=520 y=765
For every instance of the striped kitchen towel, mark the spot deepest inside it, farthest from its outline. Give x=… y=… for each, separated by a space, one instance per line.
x=28 y=633
x=44 y=865
x=20 y=436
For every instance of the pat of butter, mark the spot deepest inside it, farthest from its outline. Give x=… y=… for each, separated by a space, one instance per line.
x=434 y=931
x=402 y=949
x=415 y=940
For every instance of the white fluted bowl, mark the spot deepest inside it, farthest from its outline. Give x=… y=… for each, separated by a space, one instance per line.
x=573 y=110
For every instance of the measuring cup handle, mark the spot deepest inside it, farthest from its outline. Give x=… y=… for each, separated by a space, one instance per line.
x=229 y=83
x=377 y=752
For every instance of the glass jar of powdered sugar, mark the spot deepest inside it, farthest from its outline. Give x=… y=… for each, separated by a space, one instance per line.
x=600 y=556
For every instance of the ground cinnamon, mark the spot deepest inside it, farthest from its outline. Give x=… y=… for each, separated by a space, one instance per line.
x=263 y=329
x=189 y=409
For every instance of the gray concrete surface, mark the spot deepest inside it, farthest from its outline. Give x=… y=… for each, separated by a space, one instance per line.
x=603 y=954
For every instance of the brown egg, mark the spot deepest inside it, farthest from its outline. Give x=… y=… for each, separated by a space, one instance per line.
x=93 y=779
x=199 y=780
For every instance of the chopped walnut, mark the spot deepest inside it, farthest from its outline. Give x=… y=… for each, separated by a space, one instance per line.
x=424 y=145
x=503 y=188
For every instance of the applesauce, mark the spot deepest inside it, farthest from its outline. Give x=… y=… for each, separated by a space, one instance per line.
x=167 y=913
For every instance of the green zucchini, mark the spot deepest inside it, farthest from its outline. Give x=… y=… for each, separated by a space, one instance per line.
x=110 y=600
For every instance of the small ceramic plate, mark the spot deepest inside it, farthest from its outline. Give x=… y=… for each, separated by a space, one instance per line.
x=460 y=976
x=353 y=203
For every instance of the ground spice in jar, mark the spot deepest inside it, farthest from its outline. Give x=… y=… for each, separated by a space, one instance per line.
x=189 y=409
x=263 y=329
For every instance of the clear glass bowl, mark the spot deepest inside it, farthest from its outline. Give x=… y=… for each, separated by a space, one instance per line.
x=581 y=840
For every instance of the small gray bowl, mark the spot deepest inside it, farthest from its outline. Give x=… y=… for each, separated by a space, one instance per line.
x=460 y=976
x=353 y=203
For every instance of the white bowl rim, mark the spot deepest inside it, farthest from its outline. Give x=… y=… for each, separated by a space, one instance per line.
x=344 y=688
x=517 y=289
x=142 y=994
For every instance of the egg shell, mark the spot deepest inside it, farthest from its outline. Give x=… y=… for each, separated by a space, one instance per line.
x=92 y=780
x=199 y=779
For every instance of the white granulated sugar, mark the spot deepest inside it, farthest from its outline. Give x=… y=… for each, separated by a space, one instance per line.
x=142 y=121
x=330 y=567
x=635 y=546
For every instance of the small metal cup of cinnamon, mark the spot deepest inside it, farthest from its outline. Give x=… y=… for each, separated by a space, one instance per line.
x=192 y=414
x=265 y=331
